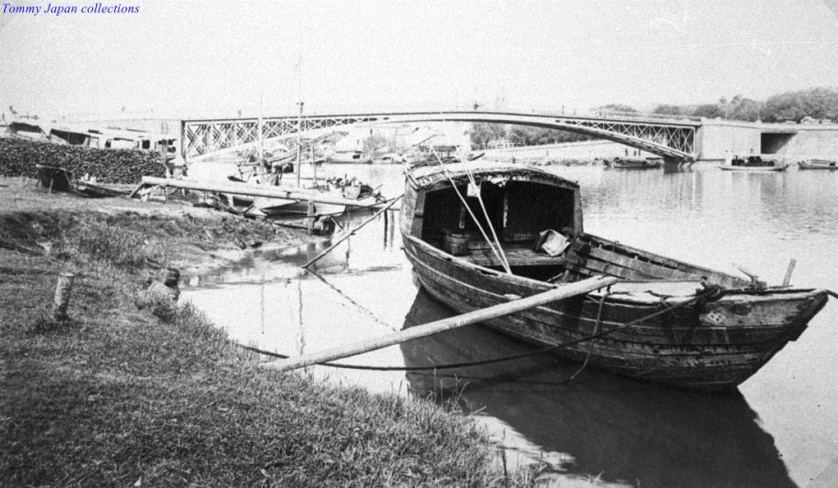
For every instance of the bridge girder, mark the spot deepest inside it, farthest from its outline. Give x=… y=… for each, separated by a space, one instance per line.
x=668 y=138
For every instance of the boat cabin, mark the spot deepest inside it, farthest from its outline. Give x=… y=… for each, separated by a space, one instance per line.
x=534 y=215
x=520 y=205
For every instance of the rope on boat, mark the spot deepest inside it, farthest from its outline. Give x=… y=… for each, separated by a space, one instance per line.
x=497 y=251
x=711 y=293
x=832 y=293
x=473 y=182
x=596 y=331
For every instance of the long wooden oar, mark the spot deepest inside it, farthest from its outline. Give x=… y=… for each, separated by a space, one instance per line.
x=559 y=293
x=352 y=232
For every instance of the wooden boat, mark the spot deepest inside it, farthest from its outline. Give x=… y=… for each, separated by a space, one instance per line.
x=754 y=164
x=335 y=188
x=665 y=321
x=352 y=157
x=602 y=422
x=818 y=164
x=637 y=163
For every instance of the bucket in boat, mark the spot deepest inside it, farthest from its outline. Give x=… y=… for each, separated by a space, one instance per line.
x=456 y=243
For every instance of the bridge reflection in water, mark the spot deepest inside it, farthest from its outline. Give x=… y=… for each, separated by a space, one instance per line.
x=606 y=427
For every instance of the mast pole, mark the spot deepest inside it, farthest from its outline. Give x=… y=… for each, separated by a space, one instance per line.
x=261 y=128
x=299 y=118
x=299 y=144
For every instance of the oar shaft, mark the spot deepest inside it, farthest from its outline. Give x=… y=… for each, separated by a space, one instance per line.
x=560 y=293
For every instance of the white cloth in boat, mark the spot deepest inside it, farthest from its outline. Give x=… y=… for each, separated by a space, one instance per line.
x=551 y=242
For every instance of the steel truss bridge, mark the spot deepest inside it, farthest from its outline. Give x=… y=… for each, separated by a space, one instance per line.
x=672 y=138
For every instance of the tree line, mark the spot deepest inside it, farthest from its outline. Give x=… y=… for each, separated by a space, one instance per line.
x=794 y=106
x=483 y=133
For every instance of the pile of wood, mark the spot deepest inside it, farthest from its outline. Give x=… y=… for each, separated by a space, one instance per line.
x=20 y=157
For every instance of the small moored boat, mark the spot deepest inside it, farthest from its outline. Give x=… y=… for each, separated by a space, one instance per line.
x=352 y=157
x=754 y=164
x=818 y=164
x=480 y=234
x=637 y=163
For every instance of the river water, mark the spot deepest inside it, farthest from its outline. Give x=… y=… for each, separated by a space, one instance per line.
x=779 y=429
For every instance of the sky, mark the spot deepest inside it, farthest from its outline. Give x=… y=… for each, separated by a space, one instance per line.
x=204 y=59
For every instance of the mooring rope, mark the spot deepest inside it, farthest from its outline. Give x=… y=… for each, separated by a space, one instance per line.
x=710 y=292
x=350 y=300
x=596 y=330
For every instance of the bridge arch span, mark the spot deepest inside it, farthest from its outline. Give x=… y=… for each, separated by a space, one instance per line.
x=672 y=139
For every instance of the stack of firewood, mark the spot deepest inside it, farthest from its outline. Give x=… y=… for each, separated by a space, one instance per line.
x=19 y=157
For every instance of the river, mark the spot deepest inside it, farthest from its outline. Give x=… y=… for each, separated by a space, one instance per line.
x=779 y=429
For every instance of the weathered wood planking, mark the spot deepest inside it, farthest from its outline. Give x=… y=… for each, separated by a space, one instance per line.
x=731 y=364
x=516 y=256
x=669 y=321
x=673 y=344
x=713 y=276
x=678 y=327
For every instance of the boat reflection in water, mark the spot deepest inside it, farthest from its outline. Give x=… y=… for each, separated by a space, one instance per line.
x=608 y=428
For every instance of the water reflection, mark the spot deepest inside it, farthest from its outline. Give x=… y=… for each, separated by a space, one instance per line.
x=642 y=435
x=618 y=429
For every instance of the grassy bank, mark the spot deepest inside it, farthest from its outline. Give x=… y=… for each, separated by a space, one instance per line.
x=125 y=393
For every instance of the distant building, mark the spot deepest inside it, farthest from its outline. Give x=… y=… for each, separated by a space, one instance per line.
x=500 y=144
x=78 y=134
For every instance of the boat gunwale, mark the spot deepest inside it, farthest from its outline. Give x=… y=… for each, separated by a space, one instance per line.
x=755 y=169
x=743 y=294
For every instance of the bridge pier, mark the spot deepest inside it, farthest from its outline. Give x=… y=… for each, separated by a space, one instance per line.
x=716 y=138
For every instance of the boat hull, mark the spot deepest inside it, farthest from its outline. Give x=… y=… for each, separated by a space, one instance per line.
x=824 y=165
x=633 y=163
x=714 y=344
x=652 y=165
x=753 y=169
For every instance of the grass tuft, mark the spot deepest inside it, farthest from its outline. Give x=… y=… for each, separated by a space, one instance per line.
x=125 y=248
x=44 y=323
x=161 y=306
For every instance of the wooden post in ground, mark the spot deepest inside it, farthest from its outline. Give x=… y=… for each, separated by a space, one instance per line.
x=310 y=218
x=62 y=296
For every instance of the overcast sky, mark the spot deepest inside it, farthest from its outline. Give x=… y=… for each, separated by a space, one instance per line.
x=190 y=58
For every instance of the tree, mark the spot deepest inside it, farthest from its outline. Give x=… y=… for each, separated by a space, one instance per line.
x=373 y=142
x=482 y=134
x=818 y=103
x=668 y=110
x=746 y=109
x=709 y=110
x=536 y=136
x=618 y=107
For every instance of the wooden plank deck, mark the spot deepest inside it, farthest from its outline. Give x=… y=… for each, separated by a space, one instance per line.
x=516 y=255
